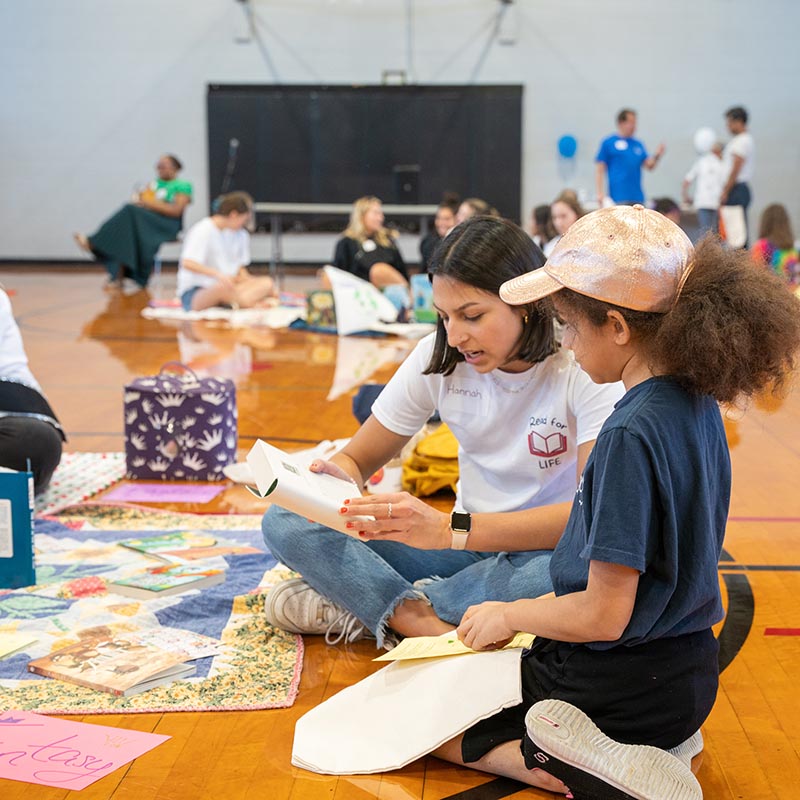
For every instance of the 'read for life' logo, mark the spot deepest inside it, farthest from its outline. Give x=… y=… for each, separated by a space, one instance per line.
x=547 y=446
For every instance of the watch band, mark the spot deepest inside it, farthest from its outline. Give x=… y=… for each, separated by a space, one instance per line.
x=460 y=527
x=458 y=540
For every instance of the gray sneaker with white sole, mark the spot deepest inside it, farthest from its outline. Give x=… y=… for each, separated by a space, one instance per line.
x=296 y=607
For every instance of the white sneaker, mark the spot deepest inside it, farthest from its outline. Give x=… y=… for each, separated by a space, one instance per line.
x=687 y=750
x=295 y=607
x=563 y=741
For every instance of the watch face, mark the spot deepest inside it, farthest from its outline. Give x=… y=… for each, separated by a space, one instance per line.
x=461 y=521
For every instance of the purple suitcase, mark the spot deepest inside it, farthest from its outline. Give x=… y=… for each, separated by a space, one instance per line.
x=179 y=427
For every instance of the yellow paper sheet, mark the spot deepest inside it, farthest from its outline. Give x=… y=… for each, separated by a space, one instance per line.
x=446 y=645
x=11 y=642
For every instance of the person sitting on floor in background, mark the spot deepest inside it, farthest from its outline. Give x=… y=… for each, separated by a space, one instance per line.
x=29 y=430
x=564 y=211
x=212 y=270
x=444 y=222
x=775 y=248
x=542 y=230
x=474 y=207
x=128 y=241
x=625 y=662
x=525 y=418
x=367 y=249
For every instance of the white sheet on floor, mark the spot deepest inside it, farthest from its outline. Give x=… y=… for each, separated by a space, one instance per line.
x=404 y=712
x=277 y=317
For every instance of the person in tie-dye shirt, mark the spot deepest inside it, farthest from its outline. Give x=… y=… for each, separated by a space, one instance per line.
x=775 y=248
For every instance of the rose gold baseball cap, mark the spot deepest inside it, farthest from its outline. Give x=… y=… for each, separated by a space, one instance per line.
x=629 y=256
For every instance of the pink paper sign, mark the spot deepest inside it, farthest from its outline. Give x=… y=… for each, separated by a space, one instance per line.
x=164 y=492
x=70 y=755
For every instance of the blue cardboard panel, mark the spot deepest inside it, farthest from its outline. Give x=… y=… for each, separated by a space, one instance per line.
x=16 y=530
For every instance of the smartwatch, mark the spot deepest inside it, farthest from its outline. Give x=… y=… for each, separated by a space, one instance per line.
x=460 y=526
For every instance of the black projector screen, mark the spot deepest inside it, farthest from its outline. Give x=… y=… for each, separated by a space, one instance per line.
x=333 y=144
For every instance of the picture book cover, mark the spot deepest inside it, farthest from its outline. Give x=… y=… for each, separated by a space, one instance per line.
x=121 y=664
x=170 y=542
x=167 y=580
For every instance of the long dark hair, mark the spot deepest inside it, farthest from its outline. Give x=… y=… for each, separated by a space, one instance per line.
x=485 y=252
x=733 y=331
x=776 y=227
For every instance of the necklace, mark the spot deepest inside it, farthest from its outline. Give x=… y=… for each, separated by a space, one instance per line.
x=514 y=389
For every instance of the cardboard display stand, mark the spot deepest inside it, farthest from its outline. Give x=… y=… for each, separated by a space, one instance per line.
x=16 y=529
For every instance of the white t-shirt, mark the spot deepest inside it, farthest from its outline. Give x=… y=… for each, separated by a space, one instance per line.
x=551 y=243
x=741 y=145
x=518 y=434
x=708 y=176
x=13 y=361
x=205 y=243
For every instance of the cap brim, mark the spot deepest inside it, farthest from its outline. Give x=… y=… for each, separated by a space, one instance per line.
x=529 y=287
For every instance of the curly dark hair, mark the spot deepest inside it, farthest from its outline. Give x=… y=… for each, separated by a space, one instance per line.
x=734 y=330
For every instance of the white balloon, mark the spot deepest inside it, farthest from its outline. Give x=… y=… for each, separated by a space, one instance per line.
x=704 y=139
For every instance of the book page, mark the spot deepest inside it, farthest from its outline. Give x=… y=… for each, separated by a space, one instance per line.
x=12 y=642
x=447 y=644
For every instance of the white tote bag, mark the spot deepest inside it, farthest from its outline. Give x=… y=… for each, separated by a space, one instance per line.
x=735 y=226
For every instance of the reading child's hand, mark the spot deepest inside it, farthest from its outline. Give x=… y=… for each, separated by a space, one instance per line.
x=483 y=627
x=399 y=517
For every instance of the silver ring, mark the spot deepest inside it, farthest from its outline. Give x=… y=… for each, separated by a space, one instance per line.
x=390 y=510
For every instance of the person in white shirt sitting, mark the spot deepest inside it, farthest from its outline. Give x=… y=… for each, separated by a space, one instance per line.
x=213 y=264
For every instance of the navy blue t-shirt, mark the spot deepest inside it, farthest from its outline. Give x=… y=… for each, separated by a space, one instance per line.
x=654 y=496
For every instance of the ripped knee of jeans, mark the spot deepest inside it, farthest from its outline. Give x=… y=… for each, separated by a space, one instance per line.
x=387 y=638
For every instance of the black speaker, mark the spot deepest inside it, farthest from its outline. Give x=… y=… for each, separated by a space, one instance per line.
x=406 y=184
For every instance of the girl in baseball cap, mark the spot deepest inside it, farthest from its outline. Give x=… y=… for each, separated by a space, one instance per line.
x=624 y=668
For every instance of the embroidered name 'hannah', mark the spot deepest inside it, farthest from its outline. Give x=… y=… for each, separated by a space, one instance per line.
x=464 y=392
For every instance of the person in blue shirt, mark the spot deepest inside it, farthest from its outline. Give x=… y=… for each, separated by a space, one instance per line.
x=621 y=158
x=624 y=669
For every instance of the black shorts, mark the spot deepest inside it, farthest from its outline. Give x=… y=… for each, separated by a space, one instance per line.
x=658 y=693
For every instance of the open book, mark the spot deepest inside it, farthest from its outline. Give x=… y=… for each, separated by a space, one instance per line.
x=290 y=484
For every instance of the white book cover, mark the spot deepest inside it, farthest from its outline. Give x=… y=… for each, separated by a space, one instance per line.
x=404 y=712
x=289 y=483
x=359 y=305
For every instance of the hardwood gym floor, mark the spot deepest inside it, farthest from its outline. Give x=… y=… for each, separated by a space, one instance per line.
x=84 y=345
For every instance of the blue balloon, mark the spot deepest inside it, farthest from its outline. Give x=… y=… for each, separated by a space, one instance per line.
x=567 y=146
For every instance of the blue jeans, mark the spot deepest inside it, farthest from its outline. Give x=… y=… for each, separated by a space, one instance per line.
x=708 y=220
x=187 y=297
x=370 y=579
